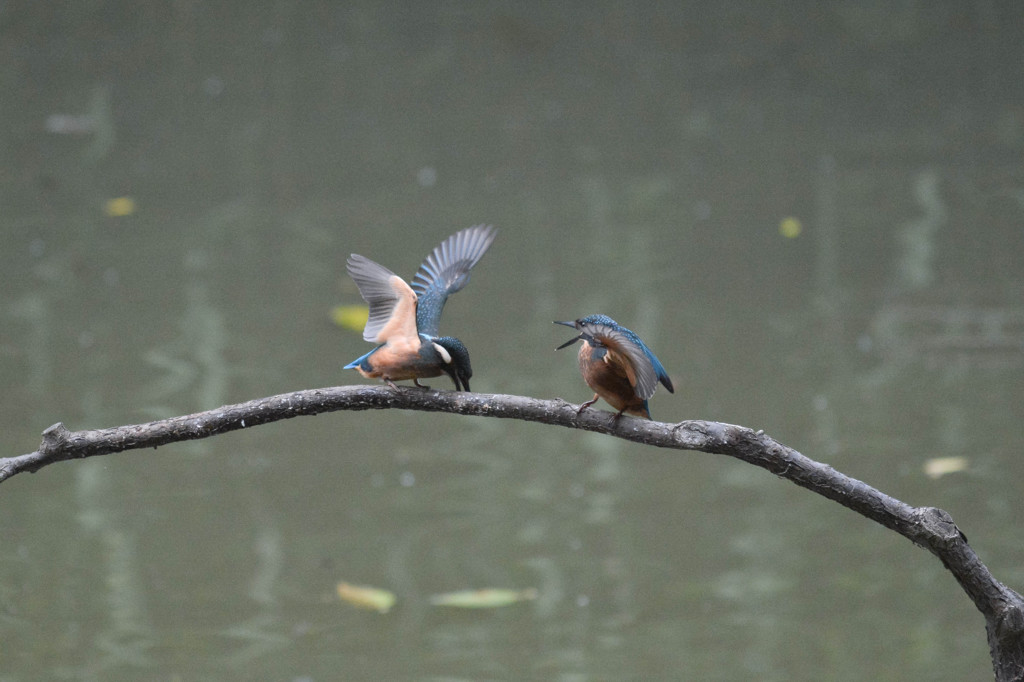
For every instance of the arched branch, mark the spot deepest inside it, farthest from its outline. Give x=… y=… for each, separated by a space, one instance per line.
x=928 y=527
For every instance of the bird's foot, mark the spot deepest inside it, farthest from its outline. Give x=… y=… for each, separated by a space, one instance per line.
x=390 y=383
x=585 y=405
x=417 y=382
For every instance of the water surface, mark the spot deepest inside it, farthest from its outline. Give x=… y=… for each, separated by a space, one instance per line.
x=813 y=214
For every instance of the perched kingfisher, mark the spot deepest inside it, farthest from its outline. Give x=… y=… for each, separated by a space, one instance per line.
x=617 y=365
x=404 y=319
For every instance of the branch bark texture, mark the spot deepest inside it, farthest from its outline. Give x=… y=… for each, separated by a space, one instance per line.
x=928 y=527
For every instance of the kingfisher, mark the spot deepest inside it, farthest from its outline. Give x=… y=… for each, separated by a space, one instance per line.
x=617 y=365
x=404 y=319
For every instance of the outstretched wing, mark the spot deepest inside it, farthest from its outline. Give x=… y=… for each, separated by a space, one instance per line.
x=445 y=271
x=392 y=301
x=644 y=368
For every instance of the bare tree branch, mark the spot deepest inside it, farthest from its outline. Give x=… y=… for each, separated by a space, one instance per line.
x=928 y=527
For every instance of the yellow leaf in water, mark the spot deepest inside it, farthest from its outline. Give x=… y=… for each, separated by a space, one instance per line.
x=350 y=316
x=790 y=227
x=483 y=599
x=364 y=597
x=119 y=207
x=940 y=466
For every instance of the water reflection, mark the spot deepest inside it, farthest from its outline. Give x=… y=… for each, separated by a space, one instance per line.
x=640 y=161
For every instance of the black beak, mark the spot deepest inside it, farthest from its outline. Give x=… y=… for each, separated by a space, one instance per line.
x=461 y=382
x=572 y=340
x=453 y=375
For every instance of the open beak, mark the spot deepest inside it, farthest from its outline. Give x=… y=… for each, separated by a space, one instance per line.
x=572 y=340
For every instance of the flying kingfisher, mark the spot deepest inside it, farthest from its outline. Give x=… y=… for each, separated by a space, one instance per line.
x=617 y=365
x=404 y=319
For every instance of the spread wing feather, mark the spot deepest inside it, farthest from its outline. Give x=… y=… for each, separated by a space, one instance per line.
x=445 y=271
x=392 y=301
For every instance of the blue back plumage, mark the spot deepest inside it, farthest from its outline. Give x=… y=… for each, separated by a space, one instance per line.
x=446 y=271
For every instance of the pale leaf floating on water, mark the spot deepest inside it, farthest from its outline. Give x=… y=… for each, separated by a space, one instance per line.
x=350 y=316
x=940 y=466
x=119 y=207
x=365 y=597
x=790 y=227
x=487 y=598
